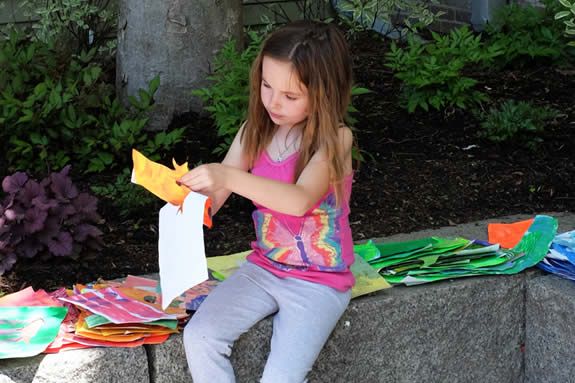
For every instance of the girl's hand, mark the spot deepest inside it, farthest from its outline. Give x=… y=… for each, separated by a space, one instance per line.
x=206 y=178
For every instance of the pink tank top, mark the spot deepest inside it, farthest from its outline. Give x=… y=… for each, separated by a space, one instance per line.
x=316 y=247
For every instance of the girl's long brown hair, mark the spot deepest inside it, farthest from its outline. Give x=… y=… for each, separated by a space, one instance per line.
x=320 y=57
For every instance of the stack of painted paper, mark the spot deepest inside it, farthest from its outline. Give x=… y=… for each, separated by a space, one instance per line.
x=432 y=259
x=561 y=257
x=30 y=321
x=127 y=314
x=109 y=314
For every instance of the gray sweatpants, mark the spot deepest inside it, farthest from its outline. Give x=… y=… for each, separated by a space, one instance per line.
x=305 y=315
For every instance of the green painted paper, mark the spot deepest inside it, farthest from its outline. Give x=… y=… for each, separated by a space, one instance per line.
x=368 y=251
x=95 y=320
x=475 y=261
x=435 y=246
x=27 y=331
x=388 y=249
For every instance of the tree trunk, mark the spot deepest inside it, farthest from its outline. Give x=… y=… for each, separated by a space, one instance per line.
x=177 y=40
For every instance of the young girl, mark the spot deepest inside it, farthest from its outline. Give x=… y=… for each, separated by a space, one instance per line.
x=292 y=158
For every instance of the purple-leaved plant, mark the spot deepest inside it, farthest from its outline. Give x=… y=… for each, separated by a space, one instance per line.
x=47 y=218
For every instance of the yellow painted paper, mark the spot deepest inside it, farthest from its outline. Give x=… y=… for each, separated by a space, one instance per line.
x=159 y=179
x=162 y=181
x=119 y=334
x=367 y=279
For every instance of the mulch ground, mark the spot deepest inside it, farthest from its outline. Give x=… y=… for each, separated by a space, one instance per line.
x=422 y=170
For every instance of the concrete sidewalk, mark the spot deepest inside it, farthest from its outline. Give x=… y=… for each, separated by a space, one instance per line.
x=483 y=329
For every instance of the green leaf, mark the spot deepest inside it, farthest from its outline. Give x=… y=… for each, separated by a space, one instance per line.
x=40 y=89
x=27 y=117
x=357 y=91
x=87 y=78
x=134 y=101
x=562 y=14
x=39 y=139
x=154 y=85
x=106 y=158
x=144 y=98
x=95 y=72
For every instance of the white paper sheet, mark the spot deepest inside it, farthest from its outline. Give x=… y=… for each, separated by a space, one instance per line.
x=182 y=255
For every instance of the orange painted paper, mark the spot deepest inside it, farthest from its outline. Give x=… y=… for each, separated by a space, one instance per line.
x=507 y=234
x=162 y=181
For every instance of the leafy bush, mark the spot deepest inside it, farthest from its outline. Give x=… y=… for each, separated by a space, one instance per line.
x=58 y=109
x=516 y=121
x=528 y=32
x=47 y=218
x=228 y=97
x=388 y=17
x=282 y=12
x=125 y=196
x=433 y=72
x=568 y=17
x=76 y=25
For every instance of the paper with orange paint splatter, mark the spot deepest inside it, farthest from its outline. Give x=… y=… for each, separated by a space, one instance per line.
x=182 y=256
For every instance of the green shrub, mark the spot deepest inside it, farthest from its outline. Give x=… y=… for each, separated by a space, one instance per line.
x=433 y=72
x=227 y=98
x=58 y=109
x=75 y=25
x=516 y=121
x=528 y=32
x=399 y=15
x=125 y=196
x=568 y=17
x=281 y=12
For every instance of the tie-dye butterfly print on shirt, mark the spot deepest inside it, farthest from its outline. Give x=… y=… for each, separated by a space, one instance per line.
x=315 y=246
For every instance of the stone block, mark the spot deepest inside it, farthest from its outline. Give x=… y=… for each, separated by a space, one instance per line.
x=167 y=361
x=467 y=330
x=96 y=365
x=550 y=330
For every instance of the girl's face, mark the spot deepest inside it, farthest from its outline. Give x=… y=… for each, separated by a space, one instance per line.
x=283 y=95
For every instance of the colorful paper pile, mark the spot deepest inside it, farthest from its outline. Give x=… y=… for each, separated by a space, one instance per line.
x=432 y=259
x=127 y=314
x=561 y=257
x=105 y=314
x=109 y=317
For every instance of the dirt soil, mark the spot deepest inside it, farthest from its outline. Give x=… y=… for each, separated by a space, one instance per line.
x=422 y=170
